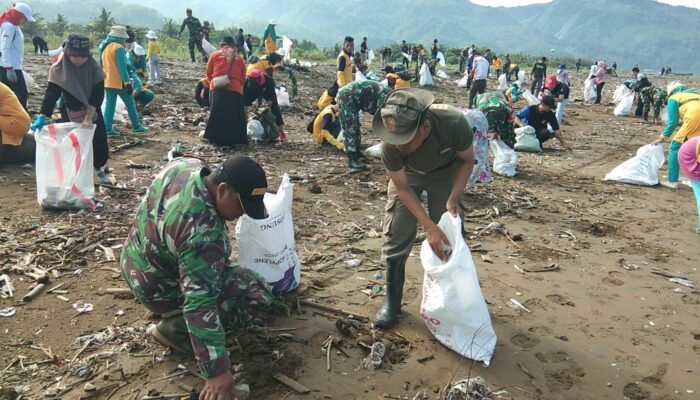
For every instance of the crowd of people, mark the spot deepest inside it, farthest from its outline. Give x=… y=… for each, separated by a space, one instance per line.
x=176 y=260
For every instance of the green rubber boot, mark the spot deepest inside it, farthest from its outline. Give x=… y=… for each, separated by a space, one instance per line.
x=172 y=332
x=389 y=312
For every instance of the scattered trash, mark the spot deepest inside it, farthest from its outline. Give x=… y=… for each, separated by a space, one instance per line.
x=682 y=281
x=120 y=313
x=469 y=389
x=374 y=359
x=7 y=312
x=7 y=290
x=517 y=305
x=82 y=307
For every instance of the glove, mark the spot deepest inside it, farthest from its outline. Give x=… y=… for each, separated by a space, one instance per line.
x=129 y=89
x=11 y=76
x=39 y=122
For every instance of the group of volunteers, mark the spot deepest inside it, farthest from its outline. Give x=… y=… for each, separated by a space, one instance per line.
x=176 y=258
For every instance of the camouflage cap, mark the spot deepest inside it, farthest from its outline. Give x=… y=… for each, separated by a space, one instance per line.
x=396 y=122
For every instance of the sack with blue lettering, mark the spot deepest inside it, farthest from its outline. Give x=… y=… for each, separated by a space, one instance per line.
x=266 y=246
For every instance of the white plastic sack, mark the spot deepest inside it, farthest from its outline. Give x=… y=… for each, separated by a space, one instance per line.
x=442 y=74
x=208 y=48
x=56 y=52
x=521 y=76
x=370 y=55
x=283 y=97
x=287 y=44
x=453 y=306
x=530 y=98
x=266 y=246
x=64 y=166
x=589 y=91
x=624 y=108
x=505 y=160
x=620 y=93
x=642 y=169
x=526 y=140
x=255 y=130
x=502 y=82
x=426 y=79
x=664 y=115
x=374 y=151
x=441 y=59
x=359 y=76
x=463 y=82
x=120 y=113
x=341 y=136
x=406 y=56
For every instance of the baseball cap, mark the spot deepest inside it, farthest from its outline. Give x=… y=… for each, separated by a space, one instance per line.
x=77 y=45
x=248 y=179
x=396 y=122
x=25 y=10
x=549 y=102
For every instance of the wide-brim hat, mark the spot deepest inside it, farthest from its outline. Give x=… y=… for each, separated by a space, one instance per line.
x=119 y=32
x=272 y=22
x=396 y=122
x=151 y=35
x=77 y=46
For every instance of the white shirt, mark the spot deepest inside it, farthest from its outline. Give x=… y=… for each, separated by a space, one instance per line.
x=481 y=67
x=11 y=46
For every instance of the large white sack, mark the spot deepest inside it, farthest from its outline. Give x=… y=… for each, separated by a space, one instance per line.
x=464 y=81
x=208 y=48
x=505 y=160
x=374 y=151
x=64 y=165
x=359 y=76
x=426 y=79
x=642 y=169
x=267 y=246
x=453 y=306
x=521 y=76
x=120 y=112
x=589 y=91
x=287 y=44
x=526 y=140
x=502 y=82
x=283 y=99
x=441 y=59
x=624 y=108
x=620 y=92
x=442 y=74
x=530 y=98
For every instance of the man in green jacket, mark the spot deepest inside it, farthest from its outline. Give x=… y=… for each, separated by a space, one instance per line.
x=195 y=30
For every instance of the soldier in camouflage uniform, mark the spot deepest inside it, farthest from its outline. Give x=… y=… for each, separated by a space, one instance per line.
x=652 y=95
x=499 y=115
x=196 y=33
x=365 y=96
x=176 y=259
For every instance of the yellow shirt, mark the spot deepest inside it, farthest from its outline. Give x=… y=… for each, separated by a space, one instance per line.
x=398 y=82
x=153 y=49
x=497 y=64
x=324 y=101
x=262 y=65
x=319 y=134
x=344 y=76
x=14 y=121
x=689 y=110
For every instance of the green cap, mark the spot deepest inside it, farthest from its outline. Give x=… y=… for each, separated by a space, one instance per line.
x=396 y=122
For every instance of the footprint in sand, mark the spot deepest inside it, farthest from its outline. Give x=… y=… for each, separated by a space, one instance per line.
x=696 y=349
x=633 y=391
x=525 y=341
x=559 y=299
x=656 y=378
x=541 y=330
x=563 y=379
x=612 y=280
x=690 y=299
x=553 y=357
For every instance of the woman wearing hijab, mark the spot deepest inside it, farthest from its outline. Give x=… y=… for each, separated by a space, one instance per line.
x=599 y=81
x=226 y=73
x=114 y=62
x=12 y=49
x=79 y=80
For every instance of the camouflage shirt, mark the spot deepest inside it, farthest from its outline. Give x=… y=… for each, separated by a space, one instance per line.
x=367 y=96
x=193 y=26
x=176 y=253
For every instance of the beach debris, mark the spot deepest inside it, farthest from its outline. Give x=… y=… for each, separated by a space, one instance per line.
x=469 y=389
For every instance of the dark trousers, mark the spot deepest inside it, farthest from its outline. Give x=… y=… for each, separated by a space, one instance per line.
x=536 y=86
x=195 y=42
x=599 y=92
x=19 y=88
x=640 y=109
x=544 y=135
x=478 y=87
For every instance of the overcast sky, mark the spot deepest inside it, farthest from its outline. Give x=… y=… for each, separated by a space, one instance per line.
x=511 y=3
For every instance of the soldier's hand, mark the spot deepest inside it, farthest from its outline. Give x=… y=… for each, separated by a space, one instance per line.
x=219 y=387
x=436 y=237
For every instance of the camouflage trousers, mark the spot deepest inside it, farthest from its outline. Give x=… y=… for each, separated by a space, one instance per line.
x=500 y=124
x=242 y=290
x=350 y=122
x=657 y=100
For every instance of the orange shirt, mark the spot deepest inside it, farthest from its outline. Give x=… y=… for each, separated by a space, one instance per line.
x=218 y=66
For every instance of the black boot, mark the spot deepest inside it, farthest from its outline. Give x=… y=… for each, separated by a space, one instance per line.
x=354 y=163
x=389 y=311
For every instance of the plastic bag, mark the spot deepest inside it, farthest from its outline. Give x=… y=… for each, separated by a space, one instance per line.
x=453 y=306
x=442 y=74
x=374 y=151
x=463 y=82
x=208 y=48
x=255 y=130
x=624 y=108
x=287 y=44
x=283 y=97
x=56 y=52
x=620 y=93
x=521 y=76
x=502 y=82
x=664 y=115
x=266 y=246
x=505 y=160
x=372 y=76
x=441 y=59
x=526 y=140
x=359 y=76
x=120 y=113
x=642 y=169
x=426 y=79
x=530 y=98
x=64 y=166
x=589 y=91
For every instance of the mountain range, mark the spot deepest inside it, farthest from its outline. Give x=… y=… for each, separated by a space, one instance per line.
x=642 y=32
